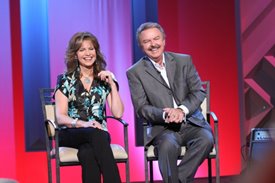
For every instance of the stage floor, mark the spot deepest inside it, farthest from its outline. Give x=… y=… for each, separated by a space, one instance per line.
x=224 y=179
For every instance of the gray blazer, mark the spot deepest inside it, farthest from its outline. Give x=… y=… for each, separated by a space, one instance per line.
x=150 y=93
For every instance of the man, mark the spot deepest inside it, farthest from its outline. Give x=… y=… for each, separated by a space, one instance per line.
x=166 y=91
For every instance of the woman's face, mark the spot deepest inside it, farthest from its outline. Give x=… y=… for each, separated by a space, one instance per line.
x=86 y=54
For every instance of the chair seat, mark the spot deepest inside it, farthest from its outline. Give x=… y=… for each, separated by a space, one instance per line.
x=151 y=155
x=150 y=151
x=68 y=154
x=213 y=152
x=5 y=180
x=119 y=152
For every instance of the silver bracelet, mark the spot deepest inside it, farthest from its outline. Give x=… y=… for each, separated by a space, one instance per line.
x=74 y=123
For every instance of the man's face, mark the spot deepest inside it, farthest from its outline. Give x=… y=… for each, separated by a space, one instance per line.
x=152 y=43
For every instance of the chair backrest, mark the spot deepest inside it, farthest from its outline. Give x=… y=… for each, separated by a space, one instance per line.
x=205 y=105
x=48 y=107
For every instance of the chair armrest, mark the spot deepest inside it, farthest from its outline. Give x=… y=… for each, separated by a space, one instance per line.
x=215 y=120
x=125 y=124
x=125 y=131
x=214 y=117
x=50 y=127
x=51 y=122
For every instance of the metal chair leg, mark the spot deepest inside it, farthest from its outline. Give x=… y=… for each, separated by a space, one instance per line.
x=49 y=171
x=146 y=168
x=57 y=173
x=151 y=172
x=209 y=163
x=127 y=172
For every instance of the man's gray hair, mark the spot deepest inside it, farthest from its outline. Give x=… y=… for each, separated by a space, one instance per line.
x=148 y=25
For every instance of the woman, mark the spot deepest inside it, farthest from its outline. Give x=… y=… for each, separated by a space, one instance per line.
x=80 y=97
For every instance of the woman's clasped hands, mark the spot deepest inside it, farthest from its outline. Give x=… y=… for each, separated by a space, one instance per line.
x=88 y=124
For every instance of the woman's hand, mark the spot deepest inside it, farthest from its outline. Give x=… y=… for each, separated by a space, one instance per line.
x=96 y=124
x=106 y=76
x=89 y=124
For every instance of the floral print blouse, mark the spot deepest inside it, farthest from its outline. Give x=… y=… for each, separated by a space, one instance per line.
x=84 y=105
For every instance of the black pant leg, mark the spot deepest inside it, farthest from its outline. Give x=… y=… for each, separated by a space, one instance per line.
x=89 y=166
x=104 y=154
x=99 y=148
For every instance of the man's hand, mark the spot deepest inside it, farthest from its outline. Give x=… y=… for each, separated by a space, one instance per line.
x=174 y=115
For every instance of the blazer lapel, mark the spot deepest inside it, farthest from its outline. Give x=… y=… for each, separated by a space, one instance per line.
x=170 y=69
x=152 y=71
